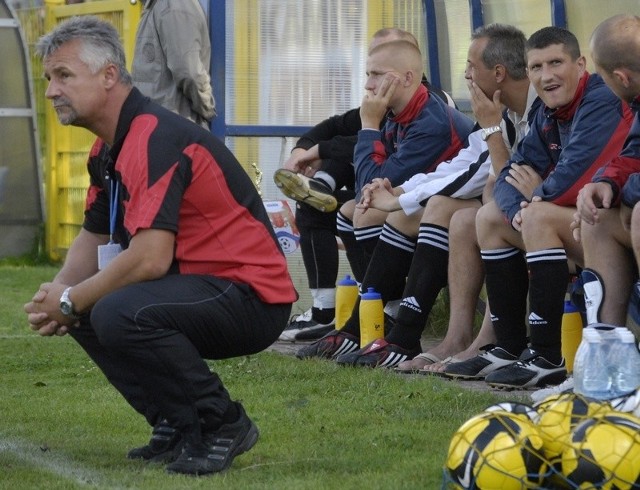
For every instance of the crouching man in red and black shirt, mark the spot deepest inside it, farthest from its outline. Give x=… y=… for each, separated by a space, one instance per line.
x=176 y=260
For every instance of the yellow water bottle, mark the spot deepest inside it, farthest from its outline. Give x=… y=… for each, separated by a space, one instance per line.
x=571 y=333
x=371 y=317
x=346 y=296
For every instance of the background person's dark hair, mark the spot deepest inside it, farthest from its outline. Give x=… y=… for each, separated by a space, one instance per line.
x=548 y=36
x=505 y=46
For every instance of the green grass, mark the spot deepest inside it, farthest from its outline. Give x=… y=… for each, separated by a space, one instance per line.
x=64 y=427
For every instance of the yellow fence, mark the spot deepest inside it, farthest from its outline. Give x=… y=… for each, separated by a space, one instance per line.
x=67 y=147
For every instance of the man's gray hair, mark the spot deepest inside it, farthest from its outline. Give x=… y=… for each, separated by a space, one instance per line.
x=505 y=46
x=100 y=43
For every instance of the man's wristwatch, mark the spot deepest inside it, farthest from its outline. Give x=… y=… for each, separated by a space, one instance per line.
x=66 y=306
x=489 y=131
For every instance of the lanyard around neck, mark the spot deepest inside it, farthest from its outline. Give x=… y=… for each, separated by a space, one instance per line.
x=113 y=207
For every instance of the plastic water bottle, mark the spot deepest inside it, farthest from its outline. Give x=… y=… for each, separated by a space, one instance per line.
x=579 y=361
x=571 y=333
x=611 y=343
x=346 y=297
x=591 y=374
x=371 y=317
x=627 y=374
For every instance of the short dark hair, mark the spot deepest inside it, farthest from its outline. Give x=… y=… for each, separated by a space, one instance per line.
x=548 y=36
x=505 y=46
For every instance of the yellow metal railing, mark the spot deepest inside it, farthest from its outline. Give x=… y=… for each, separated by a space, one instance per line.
x=67 y=147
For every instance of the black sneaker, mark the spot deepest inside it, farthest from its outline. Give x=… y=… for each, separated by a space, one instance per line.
x=304 y=327
x=492 y=358
x=164 y=446
x=333 y=344
x=218 y=449
x=378 y=353
x=531 y=371
x=301 y=188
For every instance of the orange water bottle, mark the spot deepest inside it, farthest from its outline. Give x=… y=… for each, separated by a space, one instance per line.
x=371 y=317
x=346 y=296
x=571 y=333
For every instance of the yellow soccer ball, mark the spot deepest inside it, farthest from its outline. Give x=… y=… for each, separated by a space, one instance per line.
x=495 y=450
x=557 y=417
x=516 y=408
x=604 y=453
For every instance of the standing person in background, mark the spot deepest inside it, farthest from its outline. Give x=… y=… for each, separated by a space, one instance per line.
x=172 y=58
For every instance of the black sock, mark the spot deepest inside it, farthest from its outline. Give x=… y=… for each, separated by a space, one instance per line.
x=368 y=237
x=390 y=263
x=507 y=284
x=548 y=277
x=355 y=253
x=427 y=277
x=323 y=315
x=387 y=271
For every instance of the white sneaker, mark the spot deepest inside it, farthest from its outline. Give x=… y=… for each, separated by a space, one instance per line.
x=628 y=403
x=304 y=327
x=565 y=387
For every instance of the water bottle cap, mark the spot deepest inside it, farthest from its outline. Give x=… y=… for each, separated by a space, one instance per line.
x=347 y=281
x=371 y=294
x=569 y=307
x=590 y=334
x=627 y=337
x=603 y=327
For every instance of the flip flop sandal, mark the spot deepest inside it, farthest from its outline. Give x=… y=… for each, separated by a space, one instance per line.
x=443 y=363
x=423 y=359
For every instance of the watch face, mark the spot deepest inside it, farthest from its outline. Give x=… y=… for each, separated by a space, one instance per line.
x=65 y=308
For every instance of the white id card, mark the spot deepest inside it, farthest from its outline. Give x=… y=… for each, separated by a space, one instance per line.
x=106 y=253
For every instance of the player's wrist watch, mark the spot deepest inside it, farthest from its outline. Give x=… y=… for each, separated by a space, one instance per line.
x=66 y=306
x=486 y=132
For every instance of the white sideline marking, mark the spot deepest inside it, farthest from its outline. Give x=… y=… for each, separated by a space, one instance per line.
x=34 y=456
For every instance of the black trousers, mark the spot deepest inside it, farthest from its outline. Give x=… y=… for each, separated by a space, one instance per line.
x=150 y=340
x=318 y=229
